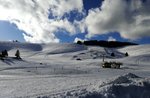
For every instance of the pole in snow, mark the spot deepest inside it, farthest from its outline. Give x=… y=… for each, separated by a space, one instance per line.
x=103 y=57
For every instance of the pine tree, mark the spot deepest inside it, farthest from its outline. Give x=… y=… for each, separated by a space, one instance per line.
x=18 y=54
x=79 y=42
x=112 y=54
x=6 y=53
x=126 y=54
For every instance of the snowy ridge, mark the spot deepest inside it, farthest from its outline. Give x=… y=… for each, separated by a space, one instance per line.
x=138 y=54
x=18 y=45
x=62 y=48
x=137 y=50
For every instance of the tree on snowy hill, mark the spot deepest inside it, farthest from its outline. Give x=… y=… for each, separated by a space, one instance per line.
x=18 y=54
x=79 y=42
x=5 y=53
x=112 y=54
x=126 y=54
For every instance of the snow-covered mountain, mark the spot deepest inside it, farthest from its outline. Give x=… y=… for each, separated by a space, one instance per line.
x=73 y=71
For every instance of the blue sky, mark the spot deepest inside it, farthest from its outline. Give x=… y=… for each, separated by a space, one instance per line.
x=9 y=31
x=99 y=19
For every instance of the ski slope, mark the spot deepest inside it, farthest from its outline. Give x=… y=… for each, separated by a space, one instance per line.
x=73 y=71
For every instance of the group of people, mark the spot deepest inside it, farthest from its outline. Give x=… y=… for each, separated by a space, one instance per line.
x=4 y=54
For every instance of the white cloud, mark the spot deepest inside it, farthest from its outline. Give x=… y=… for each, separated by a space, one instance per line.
x=59 y=7
x=31 y=16
x=111 y=39
x=129 y=17
x=80 y=25
x=79 y=39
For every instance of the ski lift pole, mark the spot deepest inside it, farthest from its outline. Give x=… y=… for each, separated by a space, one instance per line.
x=103 y=58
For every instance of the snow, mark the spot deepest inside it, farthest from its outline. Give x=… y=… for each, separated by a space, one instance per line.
x=127 y=86
x=73 y=71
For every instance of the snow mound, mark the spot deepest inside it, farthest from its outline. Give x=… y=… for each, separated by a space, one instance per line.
x=134 y=90
x=131 y=75
x=121 y=79
x=126 y=86
x=127 y=78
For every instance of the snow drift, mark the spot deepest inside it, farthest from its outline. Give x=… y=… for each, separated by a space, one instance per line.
x=125 y=86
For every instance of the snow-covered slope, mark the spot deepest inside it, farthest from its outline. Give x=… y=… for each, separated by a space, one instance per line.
x=62 y=48
x=137 y=50
x=139 y=55
x=73 y=71
x=18 y=45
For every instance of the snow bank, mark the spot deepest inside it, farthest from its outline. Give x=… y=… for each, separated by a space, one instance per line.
x=126 y=86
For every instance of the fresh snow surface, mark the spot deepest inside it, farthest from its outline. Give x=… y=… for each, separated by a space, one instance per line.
x=73 y=71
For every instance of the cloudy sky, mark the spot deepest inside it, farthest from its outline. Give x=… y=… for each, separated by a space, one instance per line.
x=44 y=21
